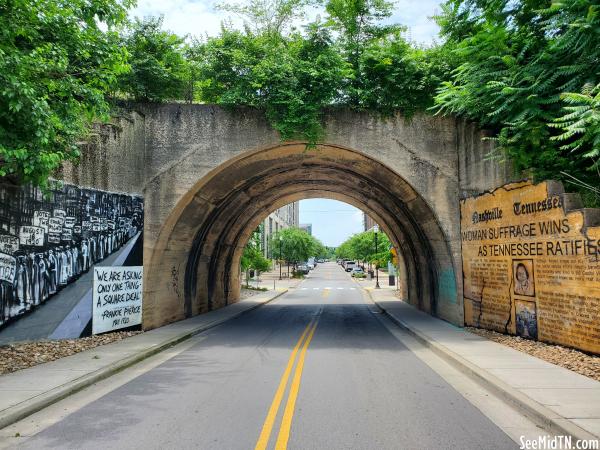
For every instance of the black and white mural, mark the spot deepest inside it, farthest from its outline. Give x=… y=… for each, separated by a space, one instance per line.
x=48 y=239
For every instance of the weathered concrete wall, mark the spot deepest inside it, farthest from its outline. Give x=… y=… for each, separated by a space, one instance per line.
x=112 y=158
x=185 y=142
x=479 y=171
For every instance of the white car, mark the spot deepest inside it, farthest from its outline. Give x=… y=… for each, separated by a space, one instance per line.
x=357 y=271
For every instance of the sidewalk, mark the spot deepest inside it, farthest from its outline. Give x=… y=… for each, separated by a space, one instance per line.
x=270 y=280
x=565 y=402
x=27 y=391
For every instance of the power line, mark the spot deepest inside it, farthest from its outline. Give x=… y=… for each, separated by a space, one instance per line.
x=328 y=210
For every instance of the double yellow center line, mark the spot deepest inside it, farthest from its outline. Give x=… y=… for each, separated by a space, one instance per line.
x=288 y=413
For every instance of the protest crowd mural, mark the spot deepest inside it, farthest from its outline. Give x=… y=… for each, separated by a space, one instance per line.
x=48 y=239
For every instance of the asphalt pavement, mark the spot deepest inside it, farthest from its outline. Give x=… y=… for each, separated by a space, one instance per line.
x=314 y=369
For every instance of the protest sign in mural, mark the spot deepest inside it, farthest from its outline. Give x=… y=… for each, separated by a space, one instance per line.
x=531 y=266
x=40 y=219
x=117 y=297
x=8 y=267
x=9 y=244
x=33 y=236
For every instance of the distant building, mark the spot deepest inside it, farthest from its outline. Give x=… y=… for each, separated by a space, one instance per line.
x=284 y=217
x=368 y=222
x=306 y=227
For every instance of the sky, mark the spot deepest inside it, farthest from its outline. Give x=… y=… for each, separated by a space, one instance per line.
x=199 y=17
x=333 y=221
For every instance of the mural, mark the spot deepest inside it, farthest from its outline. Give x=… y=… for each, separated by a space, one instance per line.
x=49 y=239
x=526 y=319
x=530 y=266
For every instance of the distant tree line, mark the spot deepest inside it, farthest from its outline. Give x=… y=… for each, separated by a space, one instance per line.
x=293 y=246
x=361 y=247
x=528 y=71
x=290 y=246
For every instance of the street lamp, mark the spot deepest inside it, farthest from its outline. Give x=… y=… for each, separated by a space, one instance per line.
x=280 y=255
x=376 y=231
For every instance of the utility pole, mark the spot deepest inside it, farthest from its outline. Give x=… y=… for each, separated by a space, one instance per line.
x=280 y=255
x=376 y=231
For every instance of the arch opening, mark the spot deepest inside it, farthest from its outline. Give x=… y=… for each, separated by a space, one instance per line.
x=202 y=241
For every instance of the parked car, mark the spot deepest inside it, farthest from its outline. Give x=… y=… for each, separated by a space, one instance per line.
x=310 y=266
x=302 y=268
x=358 y=272
x=349 y=266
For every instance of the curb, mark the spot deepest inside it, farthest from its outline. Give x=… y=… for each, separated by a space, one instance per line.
x=20 y=411
x=548 y=419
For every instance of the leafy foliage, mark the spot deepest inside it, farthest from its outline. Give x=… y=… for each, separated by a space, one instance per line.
x=523 y=65
x=56 y=64
x=358 y=25
x=527 y=70
x=294 y=245
x=272 y=17
x=580 y=125
x=361 y=247
x=350 y=59
x=159 y=69
x=253 y=257
x=291 y=78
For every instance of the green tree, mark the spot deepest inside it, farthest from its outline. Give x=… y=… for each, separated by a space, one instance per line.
x=361 y=247
x=394 y=76
x=58 y=60
x=272 y=17
x=344 y=251
x=159 y=70
x=319 y=250
x=358 y=23
x=580 y=127
x=518 y=61
x=296 y=245
x=252 y=257
x=291 y=78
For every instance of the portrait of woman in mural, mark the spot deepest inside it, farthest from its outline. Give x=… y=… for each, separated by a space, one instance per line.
x=523 y=277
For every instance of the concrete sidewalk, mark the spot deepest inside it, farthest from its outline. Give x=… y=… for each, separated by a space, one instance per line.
x=270 y=280
x=562 y=401
x=27 y=391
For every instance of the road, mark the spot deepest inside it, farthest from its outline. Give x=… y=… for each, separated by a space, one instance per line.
x=317 y=368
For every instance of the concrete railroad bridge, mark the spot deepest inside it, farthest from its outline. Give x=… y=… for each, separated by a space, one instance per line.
x=209 y=175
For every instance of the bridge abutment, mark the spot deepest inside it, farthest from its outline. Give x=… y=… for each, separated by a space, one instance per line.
x=209 y=175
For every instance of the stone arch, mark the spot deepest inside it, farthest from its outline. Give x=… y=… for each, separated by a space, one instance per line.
x=201 y=241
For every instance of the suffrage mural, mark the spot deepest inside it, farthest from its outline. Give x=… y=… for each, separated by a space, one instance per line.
x=49 y=239
x=531 y=266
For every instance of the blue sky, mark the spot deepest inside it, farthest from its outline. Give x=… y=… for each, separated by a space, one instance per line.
x=332 y=221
